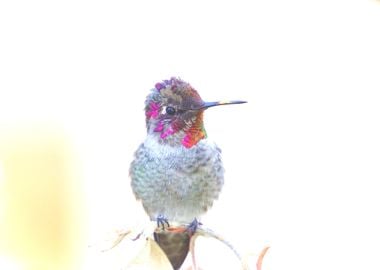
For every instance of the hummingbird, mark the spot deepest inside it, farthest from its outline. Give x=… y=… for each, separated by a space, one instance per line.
x=177 y=172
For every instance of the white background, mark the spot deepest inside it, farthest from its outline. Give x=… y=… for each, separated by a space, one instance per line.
x=302 y=156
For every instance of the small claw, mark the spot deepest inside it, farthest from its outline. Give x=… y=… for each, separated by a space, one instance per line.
x=193 y=226
x=162 y=221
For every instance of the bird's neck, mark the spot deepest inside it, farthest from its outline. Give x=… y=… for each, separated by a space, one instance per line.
x=179 y=139
x=185 y=137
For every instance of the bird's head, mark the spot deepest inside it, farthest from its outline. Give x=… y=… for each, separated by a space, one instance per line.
x=174 y=113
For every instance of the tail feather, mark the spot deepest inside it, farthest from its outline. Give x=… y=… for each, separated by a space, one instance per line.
x=175 y=245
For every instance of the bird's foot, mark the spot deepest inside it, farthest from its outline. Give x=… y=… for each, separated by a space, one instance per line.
x=162 y=221
x=193 y=226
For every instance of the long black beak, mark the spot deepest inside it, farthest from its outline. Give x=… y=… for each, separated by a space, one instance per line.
x=217 y=103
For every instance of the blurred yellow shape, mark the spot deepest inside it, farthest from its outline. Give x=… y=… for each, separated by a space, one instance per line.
x=40 y=206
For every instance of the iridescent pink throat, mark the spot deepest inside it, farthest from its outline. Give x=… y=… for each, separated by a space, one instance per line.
x=193 y=134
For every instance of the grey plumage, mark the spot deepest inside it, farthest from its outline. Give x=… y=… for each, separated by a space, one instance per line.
x=177 y=182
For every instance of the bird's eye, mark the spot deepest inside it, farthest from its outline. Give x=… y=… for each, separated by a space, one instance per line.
x=170 y=110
